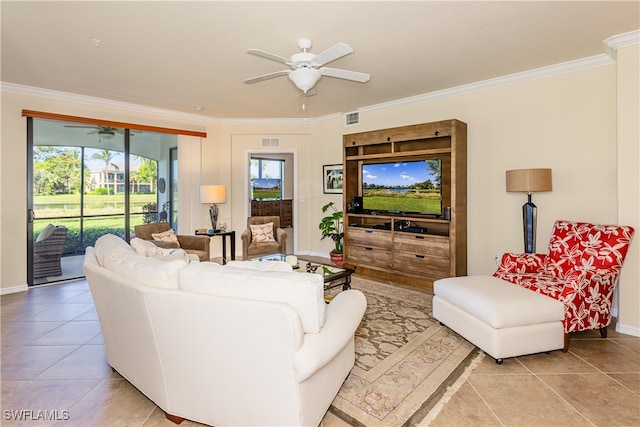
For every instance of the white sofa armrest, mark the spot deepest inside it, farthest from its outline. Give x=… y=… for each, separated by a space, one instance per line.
x=343 y=317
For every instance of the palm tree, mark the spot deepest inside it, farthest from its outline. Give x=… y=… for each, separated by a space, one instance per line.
x=106 y=156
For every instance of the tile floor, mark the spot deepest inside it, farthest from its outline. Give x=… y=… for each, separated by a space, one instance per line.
x=52 y=359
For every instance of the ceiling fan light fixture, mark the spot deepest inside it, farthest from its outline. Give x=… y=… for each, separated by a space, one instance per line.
x=305 y=78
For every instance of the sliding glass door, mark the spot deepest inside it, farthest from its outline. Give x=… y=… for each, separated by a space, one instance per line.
x=86 y=181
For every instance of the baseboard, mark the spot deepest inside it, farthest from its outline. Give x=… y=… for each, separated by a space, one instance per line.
x=13 y=289
x=628 y=330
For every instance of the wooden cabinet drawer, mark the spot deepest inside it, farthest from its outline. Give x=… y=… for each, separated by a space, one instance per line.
x=422 y=244
x=415 y=263
x=286 y=204
x=369 y=237
x=255 y=208
x=286 y=221
x=367 y=255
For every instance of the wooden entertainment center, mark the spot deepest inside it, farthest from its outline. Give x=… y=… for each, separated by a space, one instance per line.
x=410 y=248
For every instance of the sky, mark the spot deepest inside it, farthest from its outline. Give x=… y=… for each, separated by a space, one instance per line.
x=266 y=182
x=396 y=174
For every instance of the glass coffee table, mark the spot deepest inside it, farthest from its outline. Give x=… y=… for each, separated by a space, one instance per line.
x=333 y=276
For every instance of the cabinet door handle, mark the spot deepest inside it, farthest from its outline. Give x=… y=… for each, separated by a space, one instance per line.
x=368 y=249
x=368 y=231
x=420 y=256
x=419 y=237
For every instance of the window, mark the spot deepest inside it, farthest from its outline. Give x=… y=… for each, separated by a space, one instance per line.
x=266 y=178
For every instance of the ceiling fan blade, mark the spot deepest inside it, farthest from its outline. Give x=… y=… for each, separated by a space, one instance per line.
x=345 y=74
x=267 y=76
x=271 y=56
x=337 y=51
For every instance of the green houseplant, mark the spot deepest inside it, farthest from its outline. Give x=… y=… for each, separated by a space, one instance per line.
x=332 y=226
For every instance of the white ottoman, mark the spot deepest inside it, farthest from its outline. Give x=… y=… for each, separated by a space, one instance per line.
x=503 y=319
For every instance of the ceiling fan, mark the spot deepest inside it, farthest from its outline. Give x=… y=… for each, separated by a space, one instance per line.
x=103 y=131
x=307 y=68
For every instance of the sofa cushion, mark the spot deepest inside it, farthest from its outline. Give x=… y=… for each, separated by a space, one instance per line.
x=116 y=255
x=302 y=291
x=261 y=265
x=498 y=303
x=262 y=232
x=111 y=245
x=538 y=282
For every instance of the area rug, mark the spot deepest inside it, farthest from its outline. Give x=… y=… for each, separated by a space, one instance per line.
x=405 y=360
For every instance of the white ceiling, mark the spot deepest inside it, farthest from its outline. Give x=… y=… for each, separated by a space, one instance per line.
x=179 y=55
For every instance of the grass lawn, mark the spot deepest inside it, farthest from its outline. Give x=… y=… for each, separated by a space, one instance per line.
x=266 y=193
x=414 y=202
x=65 y=210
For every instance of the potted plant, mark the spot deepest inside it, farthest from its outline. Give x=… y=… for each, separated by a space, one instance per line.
x=332 y=226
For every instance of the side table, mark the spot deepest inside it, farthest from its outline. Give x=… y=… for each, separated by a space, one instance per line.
x=232 y=238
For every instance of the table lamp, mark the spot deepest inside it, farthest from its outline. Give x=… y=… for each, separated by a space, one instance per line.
x=529 y=181
x=212 y=194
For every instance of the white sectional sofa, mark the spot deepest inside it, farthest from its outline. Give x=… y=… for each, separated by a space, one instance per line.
x=223 y=345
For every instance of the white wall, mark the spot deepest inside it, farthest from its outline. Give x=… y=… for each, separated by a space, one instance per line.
x=565 y=122
x=628 y=128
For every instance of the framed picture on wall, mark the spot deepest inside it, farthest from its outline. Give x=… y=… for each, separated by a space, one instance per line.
x=332 y=179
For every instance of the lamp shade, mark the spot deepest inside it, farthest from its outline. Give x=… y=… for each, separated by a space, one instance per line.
x=529 y=180
x=213 y=194
x=305 y=78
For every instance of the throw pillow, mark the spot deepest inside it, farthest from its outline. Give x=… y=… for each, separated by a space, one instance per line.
x=262 y=232
x=110 y=245
x=168 y=254
x=150 y=249
x=46 y=232
x=141 y=245
x=166 y=236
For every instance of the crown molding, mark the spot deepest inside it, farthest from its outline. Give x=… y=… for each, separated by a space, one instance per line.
x=525 y=76
x=510 y=79
x=267 y=121
x=101 y=102
x=613 y=43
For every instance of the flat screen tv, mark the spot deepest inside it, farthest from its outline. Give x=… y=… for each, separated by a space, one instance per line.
x=408 y=187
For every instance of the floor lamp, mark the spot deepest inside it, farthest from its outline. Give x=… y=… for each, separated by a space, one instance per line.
x=212 y=194
x=529 y=181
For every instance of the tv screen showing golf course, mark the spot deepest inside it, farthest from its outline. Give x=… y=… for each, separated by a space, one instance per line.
x=403 y=187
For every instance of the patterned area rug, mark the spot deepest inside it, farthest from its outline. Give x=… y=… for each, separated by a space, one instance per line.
x=405 y=360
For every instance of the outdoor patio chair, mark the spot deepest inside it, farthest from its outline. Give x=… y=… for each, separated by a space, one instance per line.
x=47 y=251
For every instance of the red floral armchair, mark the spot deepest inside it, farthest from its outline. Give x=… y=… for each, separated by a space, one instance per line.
x=581 y=270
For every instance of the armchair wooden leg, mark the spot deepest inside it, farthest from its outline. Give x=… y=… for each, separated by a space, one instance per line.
x=566 y=343
x=603 y=332
x=174 y=418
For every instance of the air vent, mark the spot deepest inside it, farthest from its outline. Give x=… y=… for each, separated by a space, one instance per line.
x=352 y=118
x=270 y=142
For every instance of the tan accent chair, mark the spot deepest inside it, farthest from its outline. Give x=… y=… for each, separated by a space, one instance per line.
x=198 y=245
x=255 y=249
